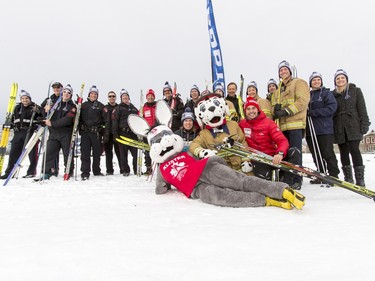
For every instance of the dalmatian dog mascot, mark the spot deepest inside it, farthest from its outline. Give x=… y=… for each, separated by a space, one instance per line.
x=210 y=178
x=211 y=111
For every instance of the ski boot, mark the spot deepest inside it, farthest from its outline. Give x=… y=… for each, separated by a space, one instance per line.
x=281 y=203
x=294 y=197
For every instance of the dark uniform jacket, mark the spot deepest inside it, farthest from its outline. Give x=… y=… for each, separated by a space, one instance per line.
x=351 y=117
x=120 y=124
x=21 y=118
x=93 y=117
x=62 y=119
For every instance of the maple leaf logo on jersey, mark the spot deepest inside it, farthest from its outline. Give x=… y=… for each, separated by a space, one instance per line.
x=178 y=170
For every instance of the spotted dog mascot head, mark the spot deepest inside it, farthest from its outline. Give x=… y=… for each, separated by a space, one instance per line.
x=163 y=143
x=211 y=110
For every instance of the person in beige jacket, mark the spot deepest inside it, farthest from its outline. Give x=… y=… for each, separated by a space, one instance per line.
x=289 y=107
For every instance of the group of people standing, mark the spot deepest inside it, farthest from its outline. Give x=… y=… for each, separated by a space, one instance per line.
x=276 y=125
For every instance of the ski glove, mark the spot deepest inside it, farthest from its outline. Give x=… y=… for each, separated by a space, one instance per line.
x=364 y=128
x=246 y=167
x=205 y=153
x=281 y=113
x=277 y=107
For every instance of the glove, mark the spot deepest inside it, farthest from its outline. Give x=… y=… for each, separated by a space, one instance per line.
x=205 y=153
x=246 y=167
x=364 y=128
x=277 y=107
x=281 y=113
x=106 y=138
x=228 y=142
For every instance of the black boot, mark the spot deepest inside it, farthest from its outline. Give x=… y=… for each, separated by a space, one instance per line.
x=348 y=174
x=359 y=172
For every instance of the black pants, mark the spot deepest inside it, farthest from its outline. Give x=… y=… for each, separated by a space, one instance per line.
x=90 y=142
x=262 y=170
x=294 y=155
x=124 y=158
x=325 y=146
x=54 y=144
x=18 y=142
x=108 y=148
x=352 y=148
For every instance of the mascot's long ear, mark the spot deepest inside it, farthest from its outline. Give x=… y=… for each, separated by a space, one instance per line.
x=163 y=113
x=138 y=125
x=199 y=121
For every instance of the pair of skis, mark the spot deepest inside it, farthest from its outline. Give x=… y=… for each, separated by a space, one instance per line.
x=258 y=156
x=8 y=122
x=140 y=150
x=74 y=137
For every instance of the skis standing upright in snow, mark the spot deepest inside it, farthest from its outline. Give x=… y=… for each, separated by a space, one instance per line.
x=8 y=121
x=140 y=151
x=31 y=143
x=73 y=139
x=240 y=98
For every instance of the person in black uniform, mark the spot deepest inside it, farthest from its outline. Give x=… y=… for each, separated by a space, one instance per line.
x=93 y=125
x=21 y=122
x=60 y=131
x=108 y=141
x=47 y=105
x=120 y=127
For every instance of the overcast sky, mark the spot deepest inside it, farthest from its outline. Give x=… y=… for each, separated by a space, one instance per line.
x=140 y=44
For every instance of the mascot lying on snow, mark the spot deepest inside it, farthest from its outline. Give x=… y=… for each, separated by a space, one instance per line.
x=209 y=179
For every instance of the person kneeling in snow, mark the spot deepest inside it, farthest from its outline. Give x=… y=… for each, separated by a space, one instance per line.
x=209 y=179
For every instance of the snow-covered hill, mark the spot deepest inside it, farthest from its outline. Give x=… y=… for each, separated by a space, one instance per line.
x=116 y=228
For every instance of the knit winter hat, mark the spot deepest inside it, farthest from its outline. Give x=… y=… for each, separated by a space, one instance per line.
x=56 y=85
x=341 y=72
x=314 y=75
x=272 y=81
x=253 y=84
x=252 y=102
x=124 y=92
x=68 y=88
x=94 y=89
x=24 y=93
x=150 y=92
x=187 y=115
x=195 y=87
x=220 y=87
x=167 y=86
x=286 y=64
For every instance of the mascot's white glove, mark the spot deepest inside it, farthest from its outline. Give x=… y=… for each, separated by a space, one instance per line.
x=228 y=142
x=206 y=153
x=246 y=167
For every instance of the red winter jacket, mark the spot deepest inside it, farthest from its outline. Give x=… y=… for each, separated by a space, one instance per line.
x=264 y=135
x=149 y=113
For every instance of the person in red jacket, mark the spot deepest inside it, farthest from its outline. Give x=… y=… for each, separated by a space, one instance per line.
x=263 y=134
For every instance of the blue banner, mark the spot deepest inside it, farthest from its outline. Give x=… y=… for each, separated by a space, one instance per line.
x=217 y=65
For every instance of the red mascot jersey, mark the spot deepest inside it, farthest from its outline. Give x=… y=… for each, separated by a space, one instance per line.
x=183 y=172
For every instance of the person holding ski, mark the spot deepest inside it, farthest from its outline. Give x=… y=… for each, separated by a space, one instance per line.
x=108 y=139
x=289 y=108
x=120 y=127
x=232 y=97
x=24 y=121
x=175 y=103
x=350 y=123
x=60 y=128
x=93 y=125
x=264 y=104
x=319 y=128
x=262 y=134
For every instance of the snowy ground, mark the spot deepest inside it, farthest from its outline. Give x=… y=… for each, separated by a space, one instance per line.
x=116 y=228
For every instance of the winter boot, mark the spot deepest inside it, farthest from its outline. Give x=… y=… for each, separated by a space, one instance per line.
x=348 y=174
x=294 y=197
x=359 y=172
x=148 y=171
x=281 y=203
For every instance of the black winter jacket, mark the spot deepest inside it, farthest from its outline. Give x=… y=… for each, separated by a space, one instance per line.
x=351 y=117
x=62 y=119
x=120 y=124
x=93 y=117
x=21 y=118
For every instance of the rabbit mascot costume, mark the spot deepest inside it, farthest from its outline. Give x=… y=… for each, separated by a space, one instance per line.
x=209 y=179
